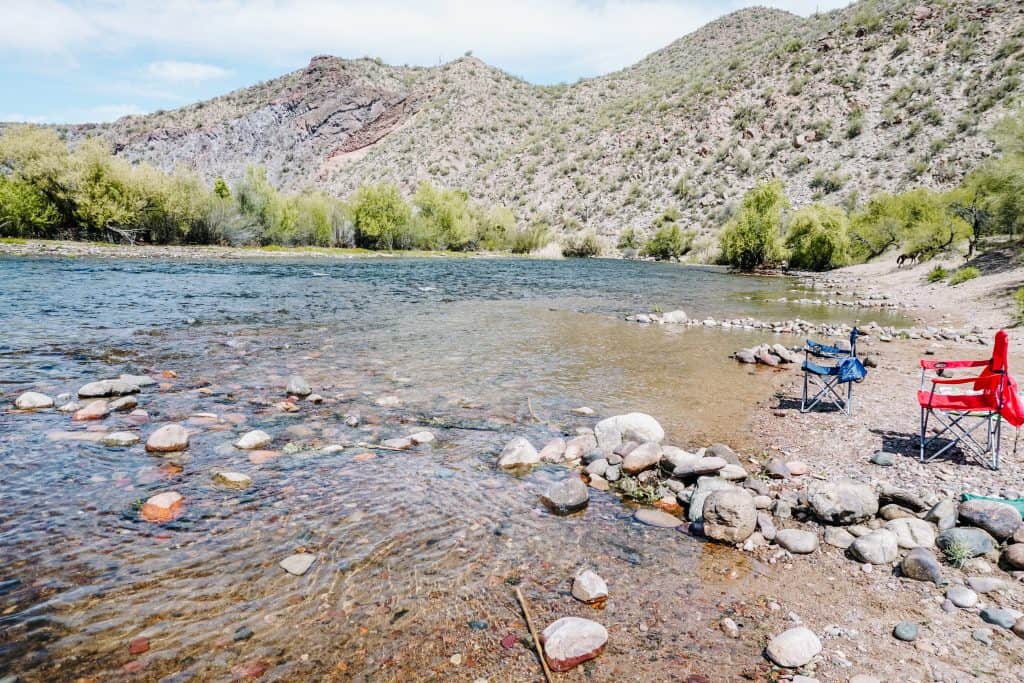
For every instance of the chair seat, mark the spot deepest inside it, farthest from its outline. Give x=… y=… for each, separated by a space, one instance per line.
x=965 y=402
x=822 y=370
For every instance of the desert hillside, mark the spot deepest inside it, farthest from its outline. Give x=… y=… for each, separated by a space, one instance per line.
x=883 y=95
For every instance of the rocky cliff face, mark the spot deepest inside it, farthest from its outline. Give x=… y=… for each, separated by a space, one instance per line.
x=883 y=95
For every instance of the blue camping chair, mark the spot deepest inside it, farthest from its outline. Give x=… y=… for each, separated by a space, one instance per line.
x=828 y=379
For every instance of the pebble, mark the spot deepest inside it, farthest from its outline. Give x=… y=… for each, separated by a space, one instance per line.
x=168 y=439
x=797 y=468
x=120 y=439
x=998 y=616
x=797 y=541
x=297 y=386
x=423 y=437
x=232 y=480
x=138 y=380
x=878 y=547
x=163 y=507
x=905 y=631
x=839 y=537
x=1018 y=627
x=107 y=387
x=729 y=628
x=986 y=584
x=242 y=633
x=124 y=404
x=921 y=564
x=883 y=459
x=253 y=440
x=139 y=645
x=1013 y=556
x=94 y=410
x=793 y=648
x=33 y=400
x=589 y=587
x=298 y=564
x=570 y=641
x=962 y=597
x=518 y=452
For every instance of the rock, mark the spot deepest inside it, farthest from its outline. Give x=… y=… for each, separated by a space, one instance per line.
x=878 y=547
x=656 y=517
x=598 y=467
x=797 y=468
x=892 y=511
x=566 y=496
x=297 y=386
x=912 y=532
x=905 y=631
x=124 y=404
x=138 y=380
x=998 y=519
x=766 y=526
x=577 y=447
x=33 y=400
x=962 y=597
x=643 y=457
x=702 y=467
x=844 y=501
x=138 y=646
x=883 y=459
x=729 y=628
x=638 y=427
x=998 y=616
x=766 y=357
x=168 y=439
x=672 y=457
x=797 y=541
x=777 y=469
x=107 y=387
x=1013 y=556
x=120 y=439
x=232 y=480
x=733 y=473
x=420 y=438
x=793 y=648
x=763 y=502
x=585 y=411
x=613 y=473
x=571 y=641
x=1018 y=628
x=890 y=494
x=729 y=516
x=705 y=485
x=943 y=514
x=401 y=443
x=839 y=537
x=93 y=410
x=720 y=450
x=969 y=541
x=784 y=354
x=69 y=407
x=986 y=584
x=388 y=401
x=589 y=587
x=674 y=317
x=163 y=507
x=518 y=453
x=745 y=356
x=598 y=483
x=921 y=564
x=298 y=564
x=553 y=451
x=864 y=678
x=982 y=635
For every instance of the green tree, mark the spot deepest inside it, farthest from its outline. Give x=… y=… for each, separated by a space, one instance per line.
x=445 y=217
x=751 y=239
x=668 y=242
x=817 y=238
x=629 y=239
x=25 y=211
x=381 y=217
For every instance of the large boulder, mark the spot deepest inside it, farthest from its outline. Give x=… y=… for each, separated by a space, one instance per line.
x=107 y=387
x=570 y=641
x=638 y=427
x=998 y=519
x=643 y=457
x=844 y=501
x=878 y=547
x=729 y=515
x=793 y=648
x=518 y=452
x=566 y=496
x=33 y=400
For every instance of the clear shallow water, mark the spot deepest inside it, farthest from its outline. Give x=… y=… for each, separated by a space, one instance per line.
x=411 y=547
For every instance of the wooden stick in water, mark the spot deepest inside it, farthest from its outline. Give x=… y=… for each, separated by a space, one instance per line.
x=533 y=634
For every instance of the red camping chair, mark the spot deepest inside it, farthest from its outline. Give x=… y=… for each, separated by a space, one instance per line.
x=993 y=398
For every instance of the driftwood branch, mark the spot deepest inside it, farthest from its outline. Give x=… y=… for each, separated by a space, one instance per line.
x=533 y=634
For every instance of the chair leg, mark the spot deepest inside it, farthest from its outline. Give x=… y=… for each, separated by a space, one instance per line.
x=803 y=399
x=924 y=429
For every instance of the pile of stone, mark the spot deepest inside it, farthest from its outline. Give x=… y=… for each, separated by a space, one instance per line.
x=771 y=355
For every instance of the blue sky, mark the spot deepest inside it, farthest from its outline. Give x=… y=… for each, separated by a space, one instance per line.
x=73 y=61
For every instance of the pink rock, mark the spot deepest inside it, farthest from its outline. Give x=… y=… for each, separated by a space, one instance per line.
x=163 y=507
x=570 y=641
x=797 y=468
x=168 y=439
x=553 y=451
x=96 y=410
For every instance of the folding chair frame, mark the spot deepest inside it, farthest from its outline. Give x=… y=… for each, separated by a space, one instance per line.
x=827 y=385
x=961 y=425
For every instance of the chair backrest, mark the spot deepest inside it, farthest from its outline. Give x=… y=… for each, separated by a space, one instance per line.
x=853 y=341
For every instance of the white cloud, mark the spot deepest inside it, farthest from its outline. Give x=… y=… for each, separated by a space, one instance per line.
x=99 y=114
x=568 y=38
x=178 y=72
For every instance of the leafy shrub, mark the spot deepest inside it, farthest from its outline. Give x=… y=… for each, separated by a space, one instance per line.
x=827 y=182
x=962 y=275
x=937 y=274
x=817 y=238
x=582 y=246
x=668 y=242
x=629 y=239
x=751 y=239
x=531 y=238
x=381 y=217
x=1018 y=301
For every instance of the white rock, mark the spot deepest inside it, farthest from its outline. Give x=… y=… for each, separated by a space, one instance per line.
x=138 y=380
x=422 y=437
x=676 y=317
x=298 y=564
x=589 y=587
x=253 y=440
x=797 y=541
x=571 y=641
x=553 y=451
x=643 y=457
x=638 y=427
x=912 y=532
x=167 y=439
x=794 y=648
x=120 y=439
x=33 y=400
x=878 y=547
x=297 y=386
x=232 y=480
x=107 y=387
x=517 y=453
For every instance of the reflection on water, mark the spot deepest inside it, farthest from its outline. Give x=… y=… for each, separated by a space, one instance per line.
x=417 y=551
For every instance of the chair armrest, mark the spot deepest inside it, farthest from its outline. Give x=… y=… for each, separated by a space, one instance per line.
x=952 y=364
x=988 y=379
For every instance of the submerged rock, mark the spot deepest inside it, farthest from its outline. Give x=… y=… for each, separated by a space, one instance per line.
x=589 y=587
x=124 y=404
x=793 y=648
x=553 y=451
x=163 y=507
x=297 y=386
x=94 y=410
x=138 y=380
x=566 y=496
x=570 y=641
x=638 y=427
x=168 y=439
x=120 y=439
x=656 y=517
x=232 y=480
x=518 y=452
x=297 y=564
x=33 y=400
x=253 y=440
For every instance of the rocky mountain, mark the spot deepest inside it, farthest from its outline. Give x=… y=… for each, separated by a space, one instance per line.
x=882 y=95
